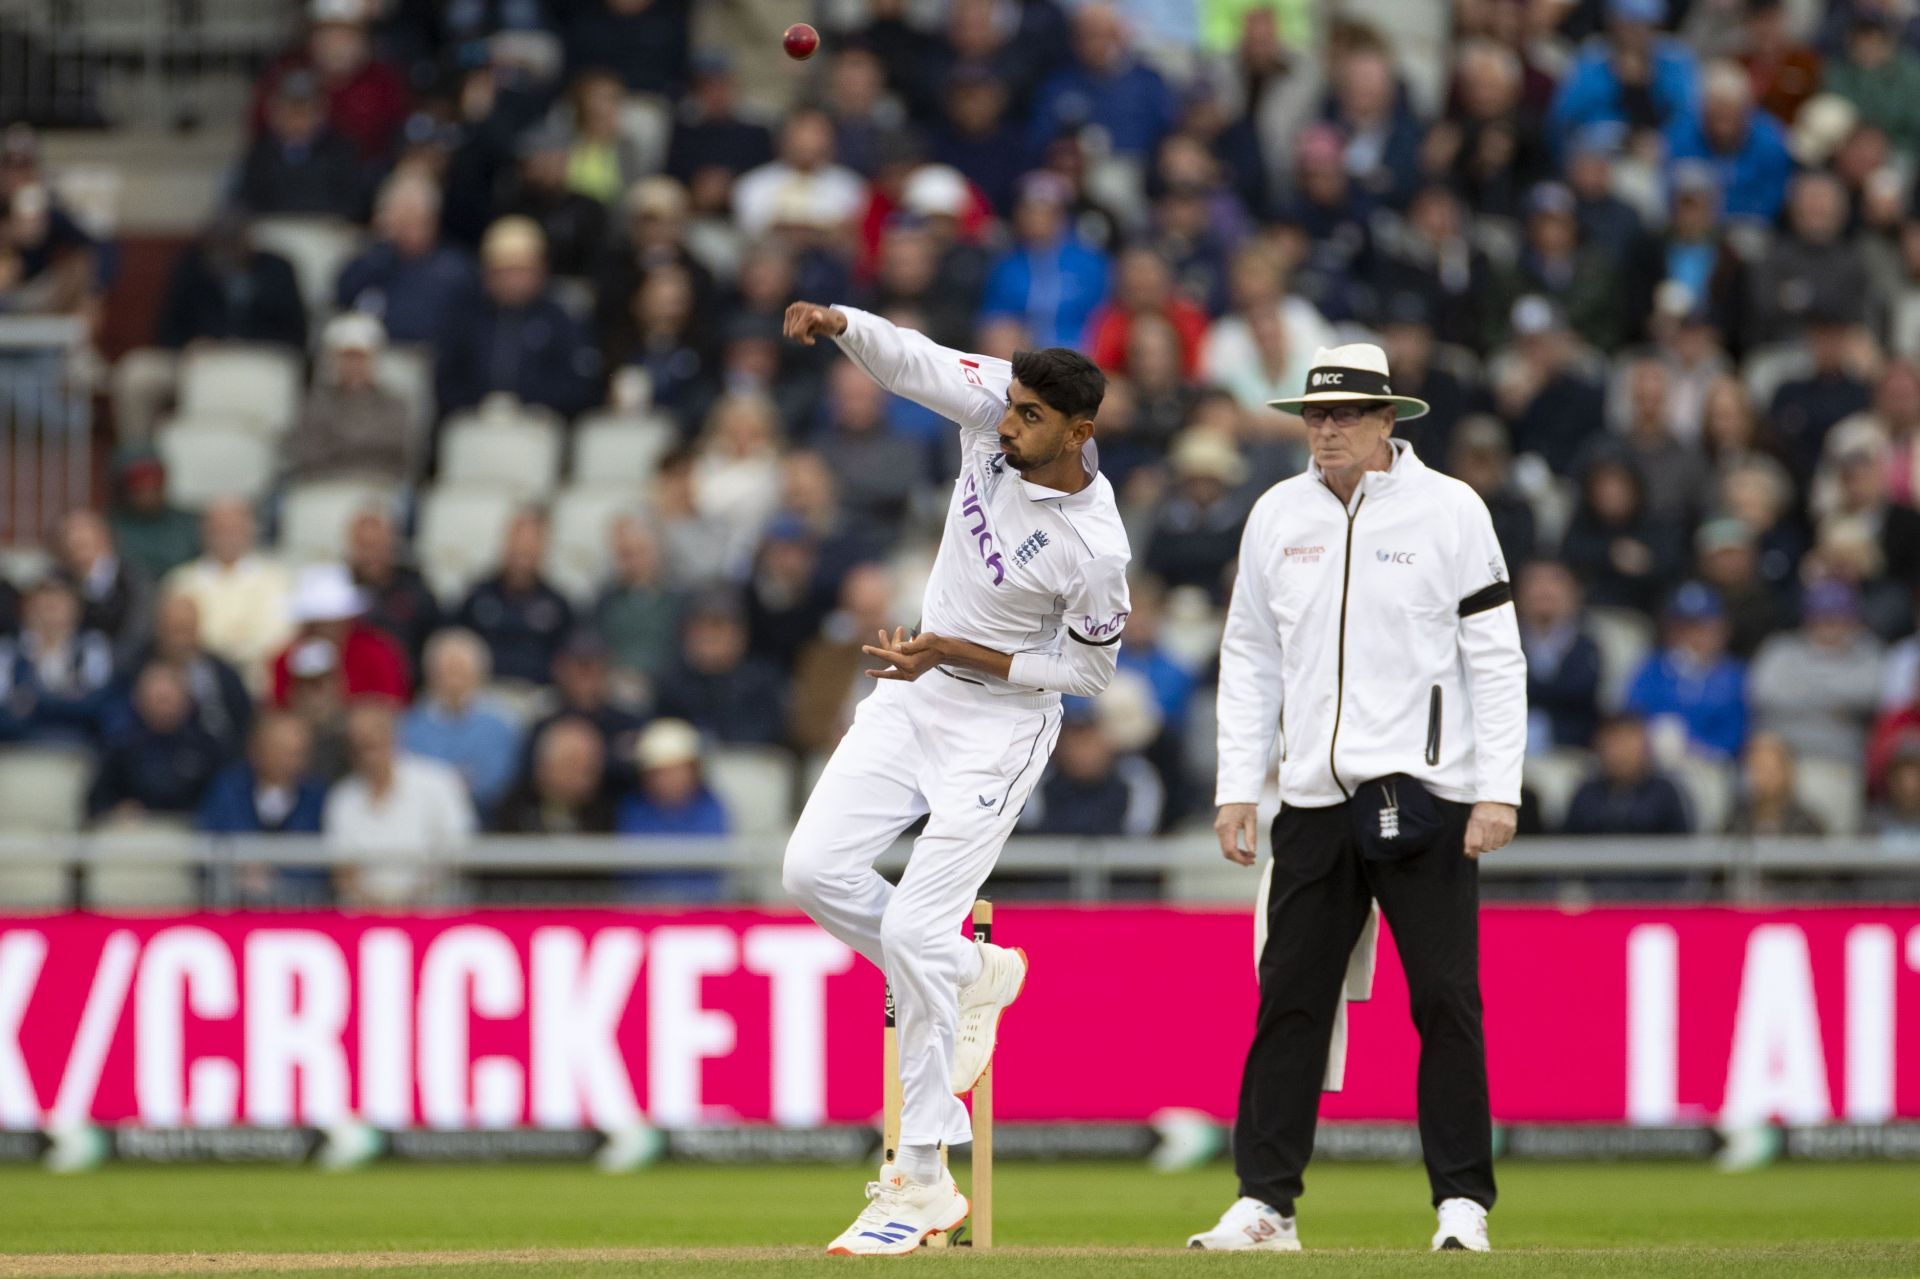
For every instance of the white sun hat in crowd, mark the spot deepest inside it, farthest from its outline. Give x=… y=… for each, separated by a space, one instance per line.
x=326 y=593
x=1357 y=371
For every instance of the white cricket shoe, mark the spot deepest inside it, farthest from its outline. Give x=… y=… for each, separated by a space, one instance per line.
x=1463 y=1227
x=901 y=1213
x=1003 y=972
x=1249 y=1226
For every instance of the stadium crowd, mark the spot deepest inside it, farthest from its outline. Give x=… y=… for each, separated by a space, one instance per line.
x=1655 y=265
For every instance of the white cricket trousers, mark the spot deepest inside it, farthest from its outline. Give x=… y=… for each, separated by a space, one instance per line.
x=967 y=759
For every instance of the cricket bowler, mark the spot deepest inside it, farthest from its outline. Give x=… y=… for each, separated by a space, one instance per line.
x=1027 y=600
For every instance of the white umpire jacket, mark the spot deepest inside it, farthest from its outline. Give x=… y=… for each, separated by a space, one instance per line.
x=1371 y=638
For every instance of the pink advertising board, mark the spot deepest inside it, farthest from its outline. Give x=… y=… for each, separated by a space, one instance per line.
x=596 y=1018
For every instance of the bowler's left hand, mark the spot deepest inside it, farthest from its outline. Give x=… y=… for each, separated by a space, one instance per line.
x=1490 y=827
x=912 y=656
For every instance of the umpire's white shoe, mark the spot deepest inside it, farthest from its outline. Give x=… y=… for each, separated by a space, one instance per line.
x=1249 y=1226
x=1003 y=973
x=1463 y=1227
x=899 y=1214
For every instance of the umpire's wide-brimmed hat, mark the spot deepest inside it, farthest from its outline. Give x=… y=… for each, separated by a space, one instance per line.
x=1342 y=374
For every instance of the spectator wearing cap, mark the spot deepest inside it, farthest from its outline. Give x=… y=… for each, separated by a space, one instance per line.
x=223 y=287
x=583 y=690
x=1692 y=679
x=1481 y=459
x=517 y=338
x=297 y=164
x=1627 y=795
x=1811 y=271
x=393 y=815
x=574 y=225
x=1093 y=787
x=362 y=99
x=1578 y=278
x=976 y=137
x=1767 y=804
x=54 y=676
x=648 y=45
x=399 y=602
x=455 y=723
x=155 y=537
x=1104 y=85
x=805 y=175
x=1746 y=147
x=162 y=763
x=1817 y=687
x=716 y=684
x=221 y=704
x=1196 y=532
x=564 y=792
x=1546 y=390
x=1805 y=408
x=1633 y=75
x=1563 y=661
x=713 y=143
x=244 y=596
x=1879 y=76
x=879 y=469
x=273 y=791
x=1143 y=285
x=517 y=612
x=116 y=597
x=674 y=801
x=414 y=283
x=350 y=426
x=1625 y=557
x=1727 y=558
x=1048 y=278
x=1434 y=261
x=328 y=607
x=1603 y=218
x=638 y=612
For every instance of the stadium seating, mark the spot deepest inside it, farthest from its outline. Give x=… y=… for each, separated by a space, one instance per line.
x=1708 y=787
x=314 y=516
x=1832 y=790
x=256 y=384
x=407 y=371
x=520 y=457
x=577 y=551
x=619 y=450
x=458 y=540
x=316 y=247
x=205 y=463
x=1554 y=776
x=756 y=785
x=42 y=790
x=1624 y=638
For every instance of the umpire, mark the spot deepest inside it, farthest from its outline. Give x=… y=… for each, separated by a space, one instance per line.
x=1372 y=633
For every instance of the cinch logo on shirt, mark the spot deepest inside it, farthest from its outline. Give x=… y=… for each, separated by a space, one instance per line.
x=982 y=539
x=1030 y=548
x=1097 y=630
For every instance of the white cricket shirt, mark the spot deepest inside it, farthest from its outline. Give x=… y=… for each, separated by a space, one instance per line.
x=1022 y=569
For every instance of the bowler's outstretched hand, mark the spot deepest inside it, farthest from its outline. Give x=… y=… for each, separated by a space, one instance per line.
x=806 y=321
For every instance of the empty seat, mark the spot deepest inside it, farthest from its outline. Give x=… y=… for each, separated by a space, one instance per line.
x=1553 y=777
x=205 y=463
x=314 y=517
x=577 y=553
x=145 y=862
x=755 y=783
x=1834 y=791
x=1707 y=786
x=1624 y=638
x=1767 y=369
x=42 y=790
x=407 y=371
x=244 y=382
x=620 y=449
x=520 y=457
x=318 y=248
x=459 y=536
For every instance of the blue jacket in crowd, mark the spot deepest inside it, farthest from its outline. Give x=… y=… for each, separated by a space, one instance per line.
x=1712 y=703
x=1753 y=180
x=1054 y=289
x=1592 y=92
x=1135 y=107
x=229 y=806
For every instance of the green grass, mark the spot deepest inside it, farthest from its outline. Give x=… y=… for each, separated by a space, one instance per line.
x=1359 y=1220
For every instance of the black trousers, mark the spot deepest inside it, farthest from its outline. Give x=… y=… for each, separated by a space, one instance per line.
x=1316 y=907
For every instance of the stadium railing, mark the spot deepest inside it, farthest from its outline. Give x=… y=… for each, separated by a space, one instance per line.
x=176 y=868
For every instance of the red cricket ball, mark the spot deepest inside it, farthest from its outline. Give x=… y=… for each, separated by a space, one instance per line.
x=800 y=41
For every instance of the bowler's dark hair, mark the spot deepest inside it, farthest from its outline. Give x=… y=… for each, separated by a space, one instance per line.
x=1066 y=381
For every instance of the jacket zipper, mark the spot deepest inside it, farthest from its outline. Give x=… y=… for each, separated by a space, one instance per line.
x=1340 y=670
x=1433 y=728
